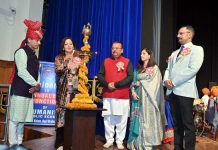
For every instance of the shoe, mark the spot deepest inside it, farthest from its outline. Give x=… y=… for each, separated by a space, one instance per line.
x=107 y=145
x=120 y=146
x=60 y=148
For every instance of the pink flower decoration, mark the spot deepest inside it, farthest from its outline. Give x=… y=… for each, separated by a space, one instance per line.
x=120 y=66
x=149 y=70
x=185 y=51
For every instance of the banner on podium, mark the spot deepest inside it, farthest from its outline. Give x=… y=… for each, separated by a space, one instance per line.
x=45 y=98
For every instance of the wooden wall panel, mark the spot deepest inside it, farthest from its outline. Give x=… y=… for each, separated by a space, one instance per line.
x=5 y=71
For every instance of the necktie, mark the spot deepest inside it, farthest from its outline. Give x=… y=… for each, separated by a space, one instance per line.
x=181 y=48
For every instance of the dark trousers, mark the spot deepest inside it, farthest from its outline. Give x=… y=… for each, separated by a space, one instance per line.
x=59 y=141
x=184 y=128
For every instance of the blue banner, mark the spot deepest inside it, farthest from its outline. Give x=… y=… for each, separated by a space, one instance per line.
x=45 y=99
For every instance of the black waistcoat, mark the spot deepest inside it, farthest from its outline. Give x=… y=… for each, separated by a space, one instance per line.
x=19 y=86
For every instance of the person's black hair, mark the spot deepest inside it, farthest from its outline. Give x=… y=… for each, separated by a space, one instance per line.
x=119 y=43
x=190 y=28
x=151 y=61
x=62 y=51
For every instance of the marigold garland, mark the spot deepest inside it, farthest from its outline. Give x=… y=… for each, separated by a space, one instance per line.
x=82 y=100
x=83 y=68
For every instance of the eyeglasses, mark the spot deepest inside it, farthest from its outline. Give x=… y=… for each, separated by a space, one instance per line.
x=115 y=48
x=181 y=33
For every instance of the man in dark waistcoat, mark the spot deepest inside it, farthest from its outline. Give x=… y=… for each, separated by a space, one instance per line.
x=24 y=82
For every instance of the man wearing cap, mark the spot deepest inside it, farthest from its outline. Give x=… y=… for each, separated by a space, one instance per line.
x=24 y=82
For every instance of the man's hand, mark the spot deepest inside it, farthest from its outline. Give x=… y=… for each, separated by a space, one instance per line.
x=34 y=88
x=169 y=85
x=111 y=86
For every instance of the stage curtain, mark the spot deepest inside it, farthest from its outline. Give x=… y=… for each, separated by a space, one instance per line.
x=111 y=20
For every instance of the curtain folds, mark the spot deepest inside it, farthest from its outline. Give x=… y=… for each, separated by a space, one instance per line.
x=111 y=20
x=157 y=30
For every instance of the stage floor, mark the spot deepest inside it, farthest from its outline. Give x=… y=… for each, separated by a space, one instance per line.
x=42 y=138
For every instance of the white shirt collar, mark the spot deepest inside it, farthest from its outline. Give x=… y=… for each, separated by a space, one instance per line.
x=188 y=44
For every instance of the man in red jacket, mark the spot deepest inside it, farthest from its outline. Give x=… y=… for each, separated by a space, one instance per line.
x=115 y=75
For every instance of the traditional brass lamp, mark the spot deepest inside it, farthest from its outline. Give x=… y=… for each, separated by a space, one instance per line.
x=83 y=100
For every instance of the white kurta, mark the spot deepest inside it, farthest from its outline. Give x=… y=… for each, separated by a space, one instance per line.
x=115 y=106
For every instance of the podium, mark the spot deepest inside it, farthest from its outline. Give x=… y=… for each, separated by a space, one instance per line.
x=79 y=129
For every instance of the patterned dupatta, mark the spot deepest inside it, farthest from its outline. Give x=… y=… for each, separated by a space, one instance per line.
x=134 y=120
